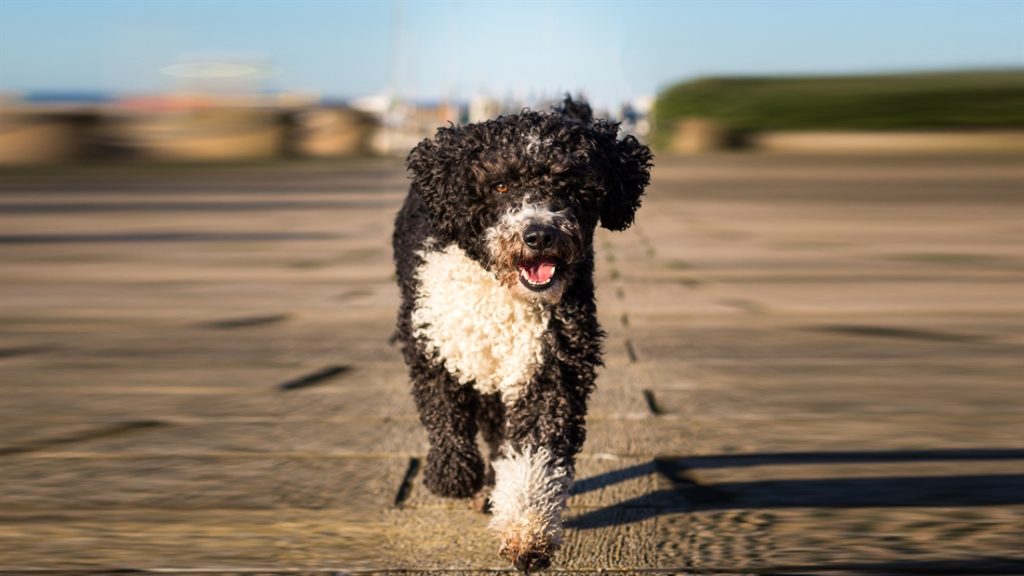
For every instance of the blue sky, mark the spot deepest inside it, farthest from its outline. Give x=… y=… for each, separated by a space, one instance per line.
x=609 y=50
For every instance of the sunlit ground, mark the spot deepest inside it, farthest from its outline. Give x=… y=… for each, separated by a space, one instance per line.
x=813 y=364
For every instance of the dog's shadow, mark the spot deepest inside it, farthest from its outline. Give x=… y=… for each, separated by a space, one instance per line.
x=687 y=494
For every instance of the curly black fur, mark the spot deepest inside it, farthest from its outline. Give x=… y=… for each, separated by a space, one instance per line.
x=573 y=163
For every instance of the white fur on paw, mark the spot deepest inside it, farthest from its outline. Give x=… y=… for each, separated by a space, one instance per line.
x=527 y=501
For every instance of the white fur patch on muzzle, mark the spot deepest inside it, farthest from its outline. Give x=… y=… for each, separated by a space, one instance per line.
x=535 y=271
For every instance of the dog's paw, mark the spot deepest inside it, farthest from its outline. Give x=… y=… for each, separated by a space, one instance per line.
x=453 y=475
x=528 y=500
x=528 y=555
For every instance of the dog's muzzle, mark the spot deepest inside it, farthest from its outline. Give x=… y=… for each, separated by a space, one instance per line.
x=538 y=272
x=533 y=250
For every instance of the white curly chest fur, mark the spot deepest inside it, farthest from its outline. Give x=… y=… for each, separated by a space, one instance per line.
x=479 y=330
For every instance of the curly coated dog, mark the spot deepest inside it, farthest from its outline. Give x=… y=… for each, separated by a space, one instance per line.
x=498 y=325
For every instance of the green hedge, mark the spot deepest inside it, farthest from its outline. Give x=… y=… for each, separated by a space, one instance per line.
x=911 y=101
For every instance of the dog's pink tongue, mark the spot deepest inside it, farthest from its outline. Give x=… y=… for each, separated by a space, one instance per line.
x=540 y=272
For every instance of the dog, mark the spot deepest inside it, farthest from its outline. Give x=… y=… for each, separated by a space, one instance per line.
x=498 y=325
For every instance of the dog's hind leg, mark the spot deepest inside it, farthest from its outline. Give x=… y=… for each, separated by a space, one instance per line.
x=448 y=410
x=492 y=427
x=491 y=419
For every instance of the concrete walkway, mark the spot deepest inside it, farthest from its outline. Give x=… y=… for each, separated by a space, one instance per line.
x=813 y=365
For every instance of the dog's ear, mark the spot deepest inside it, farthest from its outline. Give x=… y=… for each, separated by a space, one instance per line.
x=628 y=173
x=577 y=110
x=434 y=165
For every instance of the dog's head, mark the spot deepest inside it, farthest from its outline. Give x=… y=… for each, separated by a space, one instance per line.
x=522 y=194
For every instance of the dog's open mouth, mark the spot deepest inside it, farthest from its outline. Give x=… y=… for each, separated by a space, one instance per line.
x=538 y=274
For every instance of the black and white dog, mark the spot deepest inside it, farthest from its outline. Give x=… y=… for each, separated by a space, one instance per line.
x=495 y=259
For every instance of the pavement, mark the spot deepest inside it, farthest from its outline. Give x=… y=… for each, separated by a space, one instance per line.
x=814 y=365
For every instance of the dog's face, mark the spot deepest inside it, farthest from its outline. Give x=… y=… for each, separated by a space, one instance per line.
x=523 y=194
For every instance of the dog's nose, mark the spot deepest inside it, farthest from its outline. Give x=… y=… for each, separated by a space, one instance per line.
x=538 y=236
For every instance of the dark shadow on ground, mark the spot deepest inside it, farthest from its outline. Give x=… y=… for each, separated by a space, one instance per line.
x=687 y=494
x=893 y=332
x=973 y=566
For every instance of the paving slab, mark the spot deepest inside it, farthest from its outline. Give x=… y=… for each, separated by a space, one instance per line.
x=200 y=483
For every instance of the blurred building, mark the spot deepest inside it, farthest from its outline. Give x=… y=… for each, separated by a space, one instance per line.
x=182 y=127
x=219 y=114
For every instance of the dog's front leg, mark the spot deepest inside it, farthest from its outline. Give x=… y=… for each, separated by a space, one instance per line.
x=447 y=410
x=545 y=431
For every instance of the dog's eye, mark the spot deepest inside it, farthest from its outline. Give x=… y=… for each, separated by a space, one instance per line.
x=501 y=187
